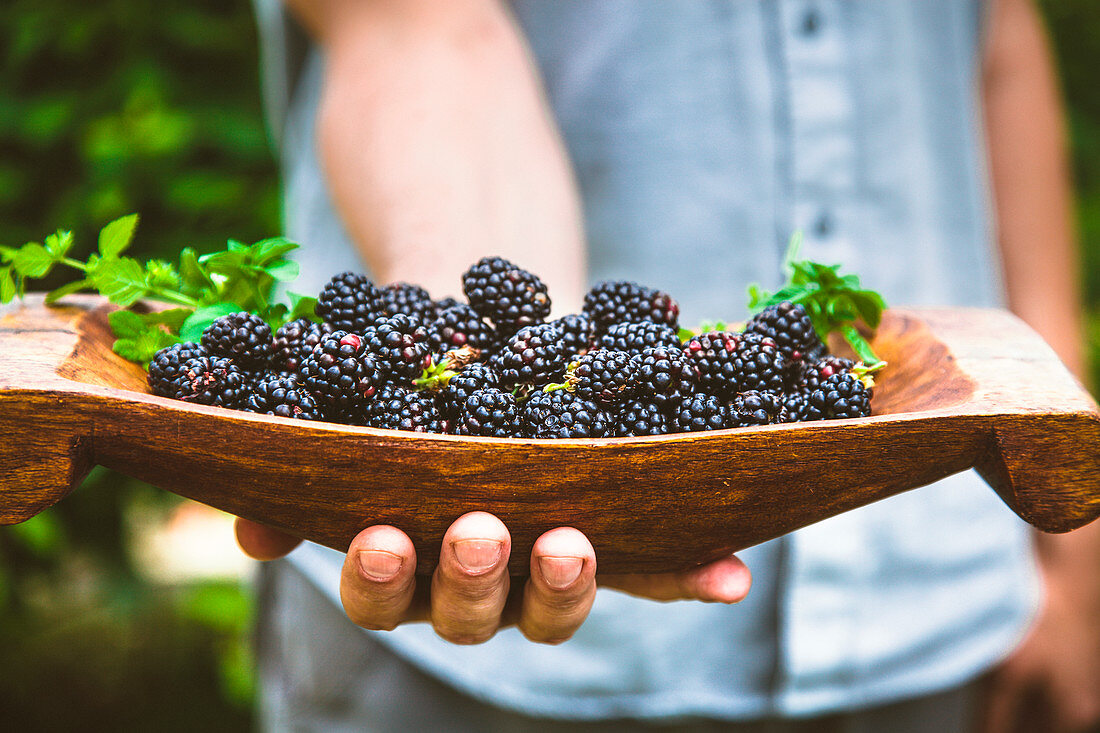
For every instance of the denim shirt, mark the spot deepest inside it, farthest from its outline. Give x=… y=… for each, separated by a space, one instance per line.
x=703 y=133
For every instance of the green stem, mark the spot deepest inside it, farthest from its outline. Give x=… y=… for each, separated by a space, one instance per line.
x=74 y=263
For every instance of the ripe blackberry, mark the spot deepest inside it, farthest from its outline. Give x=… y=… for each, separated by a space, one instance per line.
x=209 y=380
x=757 y=408
x=243 y=337
x=700 y=412
x=639 y=417
x=397 y=408
x=533 y=356
x=356 y=412
x=490 y=413
x=560 y=414
x=758 y=365
x=165 y=365
x=283 y=396
x=604 y=376
x=459 y=387
x=637 y=337
x=458 y=326
x=817 y=372
x=576 y=332
x=349 y=303
x=508 y=296
x=294 y=341
x=400 y=344
x=790 y=327
x=612 y=302
x=712 y=355
x=341 y=371
x=412 y=300
x=444 y=303
x=841 y=395
x=663 y=375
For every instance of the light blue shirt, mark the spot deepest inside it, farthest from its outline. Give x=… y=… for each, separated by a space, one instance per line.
x=703 y=133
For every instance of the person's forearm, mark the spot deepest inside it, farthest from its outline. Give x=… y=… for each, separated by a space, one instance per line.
x=437 y=144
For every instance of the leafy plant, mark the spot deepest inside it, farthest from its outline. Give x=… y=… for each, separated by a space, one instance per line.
x=196 y=291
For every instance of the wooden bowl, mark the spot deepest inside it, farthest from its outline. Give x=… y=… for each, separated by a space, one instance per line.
x=965 y=388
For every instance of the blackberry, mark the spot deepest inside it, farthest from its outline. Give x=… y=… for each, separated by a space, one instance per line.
x=341 y=371
x=400 y=344
x=637 y=337
x=397 y=408
x=699 y=412
x=603 y=376
x=508 y=296
x=712 y=355
x=560 y=414
x=533 y=356
x=757 y=408
x=663 y=375
x=283 y=396
x=758 y=365
x=817 y=372
x=639 y=417
x=790 y=327
x=489 y=413
x=355 y=412
x=349 y=303
x=241 y=336
x=460 y=325
x=576 y=332
x=294 y=341
x=165 y=365
x=412 y=300
x=209 y=380
x=840 y=395
x=612 y=302
x=444 y=303
x=459 y=387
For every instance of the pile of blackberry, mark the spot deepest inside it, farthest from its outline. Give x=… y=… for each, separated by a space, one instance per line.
x=392 y=357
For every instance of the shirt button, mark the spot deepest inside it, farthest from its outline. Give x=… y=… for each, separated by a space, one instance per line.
x=811 y=23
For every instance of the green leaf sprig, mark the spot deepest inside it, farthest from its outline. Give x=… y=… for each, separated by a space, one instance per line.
x=833 y=301
x=197 y=290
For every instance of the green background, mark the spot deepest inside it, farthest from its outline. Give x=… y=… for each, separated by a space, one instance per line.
x=119 y=106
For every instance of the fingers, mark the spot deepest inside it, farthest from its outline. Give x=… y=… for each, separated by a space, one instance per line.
x=723 y=581
x=263 y=543
x=562 y=586
x=470 y=584
x=378 y=579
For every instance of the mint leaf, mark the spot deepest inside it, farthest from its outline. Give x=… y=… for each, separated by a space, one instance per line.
x=121 y=281
x=172 y=319
x=7 y=285
x=57 y=294
x=193 y=276
x=116 y=236
x=32 y=260
x=302 y=306
x=126 y=324
x=142 y=347
x=284 y=271
x=196 y=323
x=59 y=243
x=161 y=274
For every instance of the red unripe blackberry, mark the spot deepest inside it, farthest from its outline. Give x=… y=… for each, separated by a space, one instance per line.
x=400 y=344
x=412 y=300
x=470 y=379
x=489 y=413
x=340 y=371
x=664 y=376
x=639 y=417
x=534 y=356
x=283 y=396
x=758 y=365
x=209 y=380
x=560 y=414
x=757 y=408
x=294 y=341
x=243 y=337
x=637 y=337
x=165 y=365
x=700 y=412
x=458 y=326
x=612 y=302
x=604 y=376
x=841 y=395
x=349 y=303
x=507 y=295
x=713 y=356
x=790 y=327
x=398 y=408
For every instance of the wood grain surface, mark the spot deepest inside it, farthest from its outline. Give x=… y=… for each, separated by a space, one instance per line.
x=965 y=388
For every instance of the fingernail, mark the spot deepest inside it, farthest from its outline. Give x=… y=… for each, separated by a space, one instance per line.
x=380 y=564
x=560 y=572
x=477 y=556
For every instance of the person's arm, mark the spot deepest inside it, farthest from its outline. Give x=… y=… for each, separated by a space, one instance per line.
x=1058 y=666
x=439 y=149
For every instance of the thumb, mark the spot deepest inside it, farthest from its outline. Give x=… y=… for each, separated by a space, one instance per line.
x=263 y=543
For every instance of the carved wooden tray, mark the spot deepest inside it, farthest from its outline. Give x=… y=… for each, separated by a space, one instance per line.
x=965 y=388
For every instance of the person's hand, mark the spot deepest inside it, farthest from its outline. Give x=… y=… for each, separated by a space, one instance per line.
x=469 y=597
x=1052 y=681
